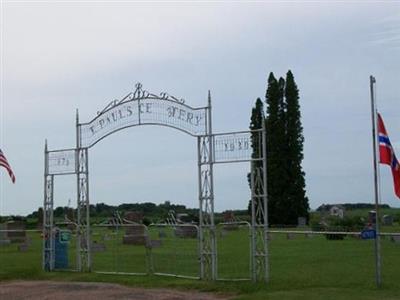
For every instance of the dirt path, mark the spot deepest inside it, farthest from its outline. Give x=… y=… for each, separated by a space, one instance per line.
x=46 y=290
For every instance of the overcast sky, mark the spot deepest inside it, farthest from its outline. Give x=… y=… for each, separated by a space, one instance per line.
x=56 y=57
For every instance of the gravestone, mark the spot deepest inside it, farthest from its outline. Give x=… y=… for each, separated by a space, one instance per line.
x=309 y=235
x=40 y=218
x=5 y=242
x=372 y=218
x=106 y=237
x=23 y=247
x=134 y=240
x=162 y=234
x=70 y=217
x=290 y=236
x=98 y=247
x=223 y=233
x=387 y=220
x=134 y=216
x=134 y=235
x=229 y=217
x=14 y=231
x=3 y=235
x=395 y=239
x=186 y=231
x=153 y=244
x=301 y=222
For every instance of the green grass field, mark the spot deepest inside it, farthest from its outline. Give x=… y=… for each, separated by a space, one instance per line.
x=301 y=268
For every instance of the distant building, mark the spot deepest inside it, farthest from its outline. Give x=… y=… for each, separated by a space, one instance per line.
x=337 y=211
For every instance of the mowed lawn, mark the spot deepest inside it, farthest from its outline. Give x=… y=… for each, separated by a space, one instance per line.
x=300 y=268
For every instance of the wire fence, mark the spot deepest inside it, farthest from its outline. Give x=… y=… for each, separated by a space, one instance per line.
x=297 y=255
x=120 y=248
x=174 y=250
x=233 y=262
x=20 y=252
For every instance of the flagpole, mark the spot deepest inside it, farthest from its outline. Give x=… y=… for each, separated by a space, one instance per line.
x=378 y=278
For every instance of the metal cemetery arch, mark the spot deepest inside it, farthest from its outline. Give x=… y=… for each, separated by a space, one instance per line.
x=144 y=108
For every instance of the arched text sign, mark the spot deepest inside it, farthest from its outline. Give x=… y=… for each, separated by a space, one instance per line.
x=143 y=108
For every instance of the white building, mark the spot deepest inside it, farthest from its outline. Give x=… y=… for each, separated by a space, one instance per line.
x=337 y=211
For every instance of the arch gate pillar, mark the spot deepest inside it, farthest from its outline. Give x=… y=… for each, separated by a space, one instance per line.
x=48 y=220
x=84 y=262
x=207 y=241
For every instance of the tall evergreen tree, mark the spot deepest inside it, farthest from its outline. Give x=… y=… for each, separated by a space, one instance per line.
x=296 y=190
x=256 y=121
x=281 y=215
x=284 y=135
x=275 y=130
x=257 y=118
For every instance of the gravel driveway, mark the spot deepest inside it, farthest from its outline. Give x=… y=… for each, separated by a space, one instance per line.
x=43 y=290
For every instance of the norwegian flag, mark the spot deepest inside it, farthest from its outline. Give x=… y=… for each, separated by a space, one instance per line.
x=4 y=163
x=387 y=155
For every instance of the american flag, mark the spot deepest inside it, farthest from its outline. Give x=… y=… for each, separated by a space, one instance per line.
x=4 y=163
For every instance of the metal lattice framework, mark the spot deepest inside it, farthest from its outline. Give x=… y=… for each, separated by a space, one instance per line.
x=208 y=256
x=83 y=217
x=141 y=107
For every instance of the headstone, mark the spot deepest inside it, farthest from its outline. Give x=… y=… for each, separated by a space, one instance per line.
x=5 y=242
x=105 y=237
x=134 y=240
x=290 y=236
x=186 y=231
x=28 y=241
x=162 y=234
x=70 y=216
x=134 y=235
x=14 y=231
x=3 y=233
x=372 y=217
x=309 y=235
x=23 y=247
x=229 y=217
x=395 y=239
x=98 y=247
x=134 y=216
x=134 y=230
x=231 y=227
x=301 y=222
x=40 y=218
x=154 y=244
x=387 y=220
x=223 y=233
